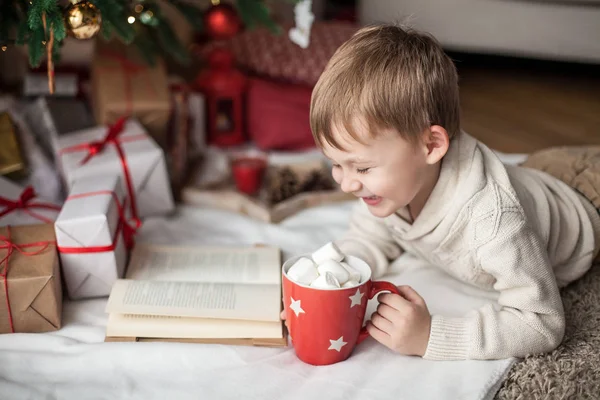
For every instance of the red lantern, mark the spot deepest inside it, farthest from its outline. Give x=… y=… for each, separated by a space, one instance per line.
x=224 y=88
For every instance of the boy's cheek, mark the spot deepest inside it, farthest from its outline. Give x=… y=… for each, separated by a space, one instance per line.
x=337 y=176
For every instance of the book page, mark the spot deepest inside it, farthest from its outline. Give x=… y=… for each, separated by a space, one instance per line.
x=196 y=299
x=250 y=265
x=191 y=328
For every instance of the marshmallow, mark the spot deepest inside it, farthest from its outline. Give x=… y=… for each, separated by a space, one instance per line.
x=350 y=284
x=354 y=274
x=328 y=252
x=326 y=281
x=303 y=271
x=336 y=269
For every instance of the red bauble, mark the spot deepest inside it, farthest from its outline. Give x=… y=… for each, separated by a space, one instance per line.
x=222 y=22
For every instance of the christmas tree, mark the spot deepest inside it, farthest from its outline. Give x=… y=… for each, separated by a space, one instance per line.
x=42 y=25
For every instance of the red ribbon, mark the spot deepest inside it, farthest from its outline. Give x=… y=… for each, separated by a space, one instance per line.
x=128 y=230
x=7 y=243
x=24 y=204
x=97 y=147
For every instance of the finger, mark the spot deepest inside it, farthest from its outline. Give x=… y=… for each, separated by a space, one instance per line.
x=379 y=335
x=388 y=312
x=282 y=315
x=381 y=323
x=394 y=300
x=411 y=295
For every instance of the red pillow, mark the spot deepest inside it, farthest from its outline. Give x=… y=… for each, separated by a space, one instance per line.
x=278 y=115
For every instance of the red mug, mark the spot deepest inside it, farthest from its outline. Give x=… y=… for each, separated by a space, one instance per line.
x=325 y=325
x=248 y=173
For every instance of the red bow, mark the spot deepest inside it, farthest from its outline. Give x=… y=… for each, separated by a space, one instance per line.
x=111 y=137
x=24 y=203
x=7 y=243
x=113 y=133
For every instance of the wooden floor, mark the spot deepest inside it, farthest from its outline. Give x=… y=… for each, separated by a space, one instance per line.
x=516 y=105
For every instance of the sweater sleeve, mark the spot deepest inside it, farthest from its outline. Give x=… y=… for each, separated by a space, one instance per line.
x=530 y=317
x=369 y=239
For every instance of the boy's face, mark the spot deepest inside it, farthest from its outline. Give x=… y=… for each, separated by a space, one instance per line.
x=387 y=171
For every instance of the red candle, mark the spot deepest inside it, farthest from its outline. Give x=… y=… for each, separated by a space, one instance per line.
x=248 y=173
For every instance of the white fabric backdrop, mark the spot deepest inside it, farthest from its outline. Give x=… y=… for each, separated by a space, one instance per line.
x=74 y=363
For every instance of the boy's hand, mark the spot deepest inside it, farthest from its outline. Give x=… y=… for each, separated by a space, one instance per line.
x=401 y=323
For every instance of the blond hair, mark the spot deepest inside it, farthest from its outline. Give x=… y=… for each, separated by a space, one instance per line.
x=390 y=77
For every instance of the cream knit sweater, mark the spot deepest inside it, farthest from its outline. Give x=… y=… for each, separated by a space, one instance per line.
x=516 y=230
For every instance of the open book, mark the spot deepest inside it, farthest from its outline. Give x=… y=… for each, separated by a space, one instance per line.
x=202 y=294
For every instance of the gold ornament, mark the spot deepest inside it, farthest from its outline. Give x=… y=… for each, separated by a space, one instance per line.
x=83 y=20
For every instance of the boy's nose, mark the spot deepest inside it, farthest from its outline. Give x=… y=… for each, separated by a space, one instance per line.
x=350 y=185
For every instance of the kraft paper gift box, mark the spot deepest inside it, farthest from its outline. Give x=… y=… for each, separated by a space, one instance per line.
x=12 y=159
x=91 y=152
x=124 y=85
x=90 y=236
x=21 y=206
x=31 y=273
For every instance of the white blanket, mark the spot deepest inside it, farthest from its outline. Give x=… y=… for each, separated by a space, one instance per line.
x=74 y=363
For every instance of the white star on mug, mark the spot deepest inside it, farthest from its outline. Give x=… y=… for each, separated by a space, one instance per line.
x=337 y=344
x=296 y=307
x=356 y=298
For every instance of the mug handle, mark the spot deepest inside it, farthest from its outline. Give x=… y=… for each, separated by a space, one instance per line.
x=376 y=287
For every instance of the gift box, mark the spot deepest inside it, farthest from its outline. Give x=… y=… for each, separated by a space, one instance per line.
x=22 y=206
x=123 y=149
x=12 y=161
x=261 y=53
x=92 y=236
x=50 y=118
x=123 y=85
x=30 y=285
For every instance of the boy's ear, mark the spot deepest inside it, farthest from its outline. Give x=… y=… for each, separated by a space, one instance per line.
x=436 y=143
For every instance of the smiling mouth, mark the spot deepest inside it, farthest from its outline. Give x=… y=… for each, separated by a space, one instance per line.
x=372 y=200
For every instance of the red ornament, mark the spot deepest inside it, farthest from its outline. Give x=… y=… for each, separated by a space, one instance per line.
x=221 y=21
x=224 y=88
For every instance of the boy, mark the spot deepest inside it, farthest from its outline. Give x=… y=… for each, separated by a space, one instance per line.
x=386 y=113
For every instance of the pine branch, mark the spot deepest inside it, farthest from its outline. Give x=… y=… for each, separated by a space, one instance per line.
x=55 y=20
x=36 y=48
x=170 y=43
x=193 y=14
x=146 y=45
x=256 y=12
x=114 y=19
x=34 y=15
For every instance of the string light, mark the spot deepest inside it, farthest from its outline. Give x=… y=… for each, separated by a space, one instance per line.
x=4 y=48
x=131 y=19
x=215 y=2
x=139 y=8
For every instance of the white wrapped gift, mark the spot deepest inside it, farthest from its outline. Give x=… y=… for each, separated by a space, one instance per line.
x=21 y=206
x=142 y=159
x=90 y=236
